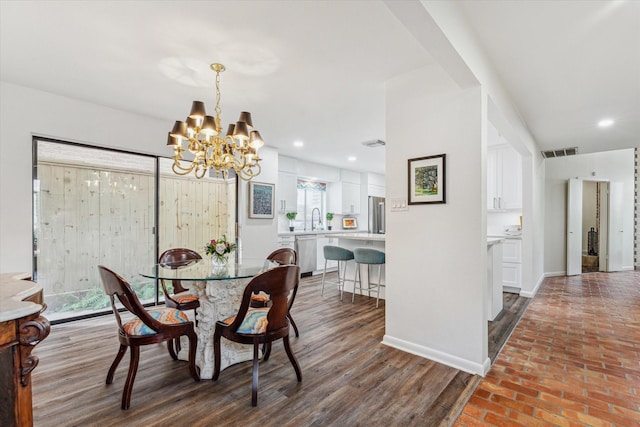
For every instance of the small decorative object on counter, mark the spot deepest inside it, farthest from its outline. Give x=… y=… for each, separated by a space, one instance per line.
x=219 y=249
x=291 y=216
x=329 y=218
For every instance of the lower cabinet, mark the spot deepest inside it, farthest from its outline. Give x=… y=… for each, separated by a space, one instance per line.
x=287 y=242
x=512 y=265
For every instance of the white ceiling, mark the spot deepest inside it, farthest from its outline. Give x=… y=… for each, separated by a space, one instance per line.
x=315 y=70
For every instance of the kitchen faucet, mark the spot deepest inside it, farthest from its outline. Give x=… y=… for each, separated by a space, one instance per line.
x=319 y=218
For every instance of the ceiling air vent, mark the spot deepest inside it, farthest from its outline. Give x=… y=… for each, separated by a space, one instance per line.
x=560 y=153
x=374 y=143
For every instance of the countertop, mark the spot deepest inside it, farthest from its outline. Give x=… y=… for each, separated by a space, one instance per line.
x=505 y=236
x=493 y=240
x=318 y=232
x=361 y=236
x=13 y=289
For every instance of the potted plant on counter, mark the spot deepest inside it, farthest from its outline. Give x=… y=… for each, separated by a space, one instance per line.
x=291 y=216
x=329 y=218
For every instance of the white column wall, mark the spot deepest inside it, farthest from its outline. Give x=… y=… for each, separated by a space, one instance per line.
x=436 y=254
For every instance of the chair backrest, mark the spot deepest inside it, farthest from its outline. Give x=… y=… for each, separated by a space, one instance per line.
x=277 y=282
x=284 y=256
x=115 y=286
x=175 y=258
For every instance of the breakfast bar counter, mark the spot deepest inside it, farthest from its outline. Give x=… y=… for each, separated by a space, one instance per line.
x=362 y=240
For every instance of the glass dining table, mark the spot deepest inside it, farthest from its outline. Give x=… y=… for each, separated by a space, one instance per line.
x=220 y=292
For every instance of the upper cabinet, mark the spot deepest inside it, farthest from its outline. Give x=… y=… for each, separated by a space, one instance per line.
x=504 y=178
x=343 y=197
x=287 y=191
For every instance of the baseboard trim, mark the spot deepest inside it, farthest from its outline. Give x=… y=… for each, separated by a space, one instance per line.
x=439 y=356
x=531 y=294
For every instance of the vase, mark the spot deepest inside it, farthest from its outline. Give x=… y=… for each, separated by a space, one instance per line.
x=220 y=260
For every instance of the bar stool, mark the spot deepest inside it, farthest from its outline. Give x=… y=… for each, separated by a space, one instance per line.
x=368 y=257
x=336 y=253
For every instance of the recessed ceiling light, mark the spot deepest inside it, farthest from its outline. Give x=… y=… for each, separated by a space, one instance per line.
x=298 y=144
x=605 y=123
x=352 y=158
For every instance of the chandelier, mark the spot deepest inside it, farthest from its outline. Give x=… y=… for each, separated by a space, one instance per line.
x=237 y=150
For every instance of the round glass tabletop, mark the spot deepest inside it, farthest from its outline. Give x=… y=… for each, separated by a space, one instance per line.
x=203 y=269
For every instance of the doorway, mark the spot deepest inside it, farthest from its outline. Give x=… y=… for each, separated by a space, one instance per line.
x=593 y=210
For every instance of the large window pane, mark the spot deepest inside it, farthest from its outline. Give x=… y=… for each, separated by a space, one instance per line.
x=91 y=208
x=194 y=211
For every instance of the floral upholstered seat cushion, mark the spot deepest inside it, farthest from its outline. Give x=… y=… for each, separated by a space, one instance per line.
x=255 y=322
x=184 y=297
x=168 y=316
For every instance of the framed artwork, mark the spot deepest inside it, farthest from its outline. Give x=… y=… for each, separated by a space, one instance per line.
x=427 y=180
x=261 y=199
x=349 y=223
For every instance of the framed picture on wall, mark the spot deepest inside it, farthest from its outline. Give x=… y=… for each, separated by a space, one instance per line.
x=261 y=199
x=427 y=180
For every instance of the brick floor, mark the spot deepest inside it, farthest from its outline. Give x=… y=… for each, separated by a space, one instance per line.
x=573 y=359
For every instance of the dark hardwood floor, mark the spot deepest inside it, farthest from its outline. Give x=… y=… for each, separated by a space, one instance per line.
x=348 y=376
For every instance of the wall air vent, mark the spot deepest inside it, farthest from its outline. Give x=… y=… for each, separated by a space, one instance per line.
x=374 y=143
x=560 y=153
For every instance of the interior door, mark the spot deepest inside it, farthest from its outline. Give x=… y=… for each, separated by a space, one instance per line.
x=615 y=227
x=574 y=227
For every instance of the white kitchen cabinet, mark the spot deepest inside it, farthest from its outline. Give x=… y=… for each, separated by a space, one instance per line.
x=287 y=192
x=504 y=178
x=322 y=241
x=512 y=265
x=343 y=198
x=286 y=242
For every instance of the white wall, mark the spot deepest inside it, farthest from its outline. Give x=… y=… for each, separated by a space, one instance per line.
x=436 y=254
x=25 y=112
x=614 y=166
x=258 y=237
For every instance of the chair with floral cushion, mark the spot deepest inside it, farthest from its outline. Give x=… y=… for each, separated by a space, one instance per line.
x=261 y=325
x=147 y=327
x=282 y=256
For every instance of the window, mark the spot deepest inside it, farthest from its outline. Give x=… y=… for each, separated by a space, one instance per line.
x=312 y=201
x=95 y=206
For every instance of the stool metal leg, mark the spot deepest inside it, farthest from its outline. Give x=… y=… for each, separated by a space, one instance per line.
x=355 y=283
x=324 y=272
x=379 y=278
x=341 y=281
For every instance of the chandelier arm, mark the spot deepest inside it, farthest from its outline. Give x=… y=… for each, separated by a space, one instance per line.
x=179 y=170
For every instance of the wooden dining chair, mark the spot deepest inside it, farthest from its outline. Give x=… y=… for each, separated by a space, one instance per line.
x=282 y=256
x=261 y=325
x=147 y=327
x=181 y=298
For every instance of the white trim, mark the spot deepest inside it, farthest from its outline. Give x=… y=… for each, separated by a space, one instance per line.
x=531 y=294
x=438 y=356
x=555 y=273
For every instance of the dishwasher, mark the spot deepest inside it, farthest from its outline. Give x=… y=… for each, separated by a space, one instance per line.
x=306 y=249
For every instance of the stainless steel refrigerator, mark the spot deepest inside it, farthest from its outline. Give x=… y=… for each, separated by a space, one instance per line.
x=376 y=215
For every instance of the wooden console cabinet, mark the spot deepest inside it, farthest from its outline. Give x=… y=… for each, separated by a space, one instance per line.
x=22 y=327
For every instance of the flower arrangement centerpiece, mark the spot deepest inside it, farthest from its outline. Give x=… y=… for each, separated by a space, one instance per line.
x=219 y=249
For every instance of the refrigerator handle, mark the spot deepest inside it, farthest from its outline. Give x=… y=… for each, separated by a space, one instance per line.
x=382 y=221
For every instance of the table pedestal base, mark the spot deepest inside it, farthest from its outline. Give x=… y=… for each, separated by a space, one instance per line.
x=219 y=299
